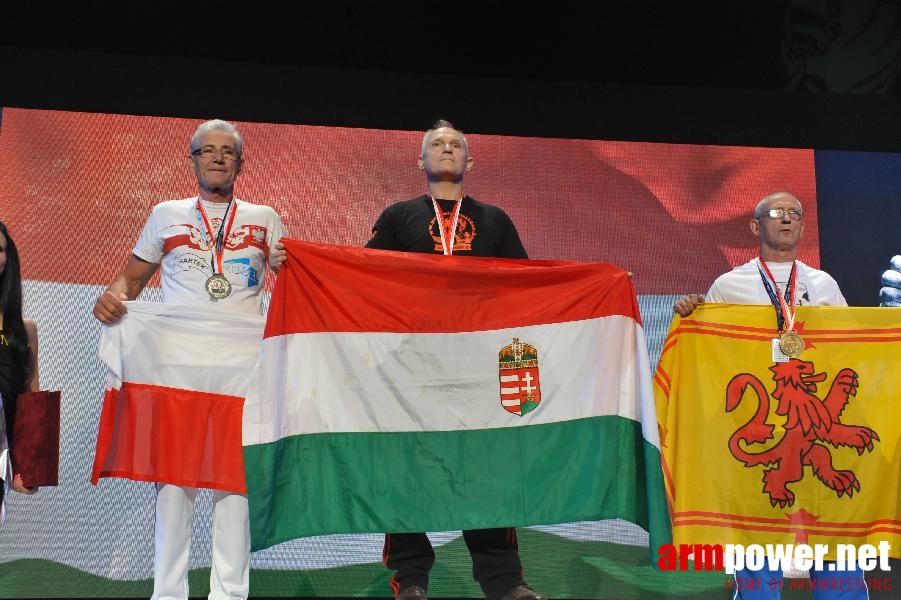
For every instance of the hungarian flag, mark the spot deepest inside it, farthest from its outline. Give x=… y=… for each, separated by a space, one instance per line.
x=412 y=392
x=794 y=451
x=176 y=377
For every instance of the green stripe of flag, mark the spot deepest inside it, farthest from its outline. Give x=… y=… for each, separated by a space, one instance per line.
x=369 y=482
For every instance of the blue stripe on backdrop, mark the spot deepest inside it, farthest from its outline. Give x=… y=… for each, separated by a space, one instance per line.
x=859 y=206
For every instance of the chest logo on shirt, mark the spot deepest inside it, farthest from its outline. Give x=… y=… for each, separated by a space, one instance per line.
x=517 y=370
x=244 y=236
x=803 y=296
x=463 y=236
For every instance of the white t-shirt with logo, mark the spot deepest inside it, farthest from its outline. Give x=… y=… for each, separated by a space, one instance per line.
x=743 y=285
x=175 y=237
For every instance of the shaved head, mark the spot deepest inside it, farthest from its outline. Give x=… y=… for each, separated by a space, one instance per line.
x=767 y=201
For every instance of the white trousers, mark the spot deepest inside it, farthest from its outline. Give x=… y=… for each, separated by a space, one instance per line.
x=229 y=576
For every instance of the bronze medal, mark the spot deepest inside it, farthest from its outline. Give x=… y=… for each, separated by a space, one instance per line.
x=791 y=343
x=218 y=286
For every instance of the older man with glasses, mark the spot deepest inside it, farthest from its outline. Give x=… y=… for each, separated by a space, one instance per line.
x=777 y=277
x=214 y=250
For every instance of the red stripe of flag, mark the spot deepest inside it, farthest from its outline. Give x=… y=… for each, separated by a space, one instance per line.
x=426 y=293
x=169 y=435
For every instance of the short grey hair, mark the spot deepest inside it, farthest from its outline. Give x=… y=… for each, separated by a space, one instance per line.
x=443 y=123
x=217 y=125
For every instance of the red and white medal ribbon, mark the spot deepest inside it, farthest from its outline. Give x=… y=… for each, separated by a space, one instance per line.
x=447 y=237
x=217 y=245
x=786 y=302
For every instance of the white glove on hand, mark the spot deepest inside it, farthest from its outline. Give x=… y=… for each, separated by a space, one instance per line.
x=890 y=294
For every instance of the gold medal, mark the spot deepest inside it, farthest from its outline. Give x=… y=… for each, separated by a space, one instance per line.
x=218 y=286
x=791 y=343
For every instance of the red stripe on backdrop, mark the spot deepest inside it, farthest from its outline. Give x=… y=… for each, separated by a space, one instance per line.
x=168 y=435
x=77 y=187
x=355 y=289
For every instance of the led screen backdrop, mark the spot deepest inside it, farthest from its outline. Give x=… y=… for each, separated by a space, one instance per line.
x=76 y=188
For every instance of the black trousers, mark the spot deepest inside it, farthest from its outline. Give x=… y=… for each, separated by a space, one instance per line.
x=495 y=560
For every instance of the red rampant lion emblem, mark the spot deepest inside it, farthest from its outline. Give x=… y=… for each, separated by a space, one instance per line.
x=810 y=424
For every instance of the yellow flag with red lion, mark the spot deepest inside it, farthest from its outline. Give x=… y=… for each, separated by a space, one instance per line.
x=763 y=449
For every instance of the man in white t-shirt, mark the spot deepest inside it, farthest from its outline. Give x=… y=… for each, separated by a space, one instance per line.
x=778 y=222
x=214 y=249
x=777 y=277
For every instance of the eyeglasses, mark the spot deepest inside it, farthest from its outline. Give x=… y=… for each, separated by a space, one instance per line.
x=779 y=213
x=227 y=152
